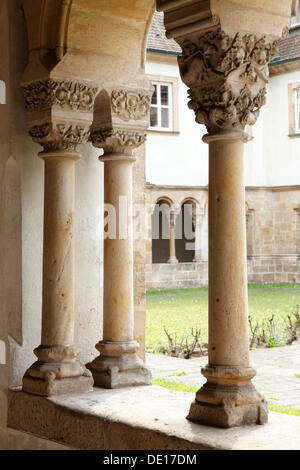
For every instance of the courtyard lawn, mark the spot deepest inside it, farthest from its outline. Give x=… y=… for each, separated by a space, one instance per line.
x=180 y=314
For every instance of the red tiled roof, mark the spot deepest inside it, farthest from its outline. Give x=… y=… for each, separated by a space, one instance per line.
x=289 y=48
x=157 y=36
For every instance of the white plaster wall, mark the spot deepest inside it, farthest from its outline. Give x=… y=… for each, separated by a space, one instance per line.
x=272 y=152
x=271 y=158
x=177 y=159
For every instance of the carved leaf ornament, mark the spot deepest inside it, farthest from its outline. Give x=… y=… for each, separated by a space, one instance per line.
x=226 y=78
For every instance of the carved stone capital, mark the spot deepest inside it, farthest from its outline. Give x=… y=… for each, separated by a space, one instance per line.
x=59 y=112
x=54 y=136
x=225 y=55
x=117 y=140
x=121 y=119
x=127 y=104
x=45 y=94
x=227 y=78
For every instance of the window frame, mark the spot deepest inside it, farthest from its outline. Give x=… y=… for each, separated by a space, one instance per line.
x=296 y=18
x=160 y=106
x=297 y=110
x=294 y=109
x=174 y=114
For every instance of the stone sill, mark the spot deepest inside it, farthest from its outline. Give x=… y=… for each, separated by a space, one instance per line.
x=160 y=132
x=294 y=136
x=140 y=418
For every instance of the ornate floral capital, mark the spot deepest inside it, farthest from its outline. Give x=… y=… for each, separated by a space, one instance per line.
x=59 y=112
x=128 y=104
x=42 y=95
x=118 y=140
x=226 y=77
x=121 y=120
x=59 y=136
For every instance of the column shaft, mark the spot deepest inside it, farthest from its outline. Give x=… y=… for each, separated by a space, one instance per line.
x=228 y=310
x=56 y=371
x=118 y=253
x=228 y=398
x=172 y=258
x=58 y=255
x=118 y=364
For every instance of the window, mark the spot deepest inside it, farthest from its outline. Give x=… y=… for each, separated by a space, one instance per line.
x=296 y=19
x=161 y=107
x=297 y=109
x=294 y=109
x=164 y=105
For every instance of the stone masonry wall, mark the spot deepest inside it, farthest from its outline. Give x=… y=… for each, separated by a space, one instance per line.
x=273 y=237
x=166 y=276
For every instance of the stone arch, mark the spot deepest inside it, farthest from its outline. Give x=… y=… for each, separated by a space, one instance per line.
x=192 y=200
x=167 y=199
x=64 y=38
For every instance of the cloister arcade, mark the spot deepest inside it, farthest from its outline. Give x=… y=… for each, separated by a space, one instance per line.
x=86 y=93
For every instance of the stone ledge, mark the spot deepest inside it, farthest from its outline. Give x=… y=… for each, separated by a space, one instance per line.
x=140 y=418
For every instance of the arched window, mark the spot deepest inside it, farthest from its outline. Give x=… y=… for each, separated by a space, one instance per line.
x=161 y=232
x=185 y=233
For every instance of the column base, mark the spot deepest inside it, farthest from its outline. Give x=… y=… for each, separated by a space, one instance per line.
x=173 y=260
x=56 y=373
x=119 y=366
x=228 y=399
x=51 y=386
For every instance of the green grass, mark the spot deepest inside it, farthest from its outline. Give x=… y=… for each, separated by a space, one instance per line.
x=180 y=314
x=199 y=290
x=283 y=409
x=181 y=387
x=167 y=292
x=175 y=386
x=178 y=374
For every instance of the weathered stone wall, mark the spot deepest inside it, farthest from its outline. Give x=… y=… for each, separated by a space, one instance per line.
x=168 y=276
x=273 y=237
x=274 y=230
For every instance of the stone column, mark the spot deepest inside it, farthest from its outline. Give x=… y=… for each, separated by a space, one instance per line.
x=226 y=71
x=228 y=398
x=118 y=364
x=57 y=371
x=172 y=259
x=197 y=220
